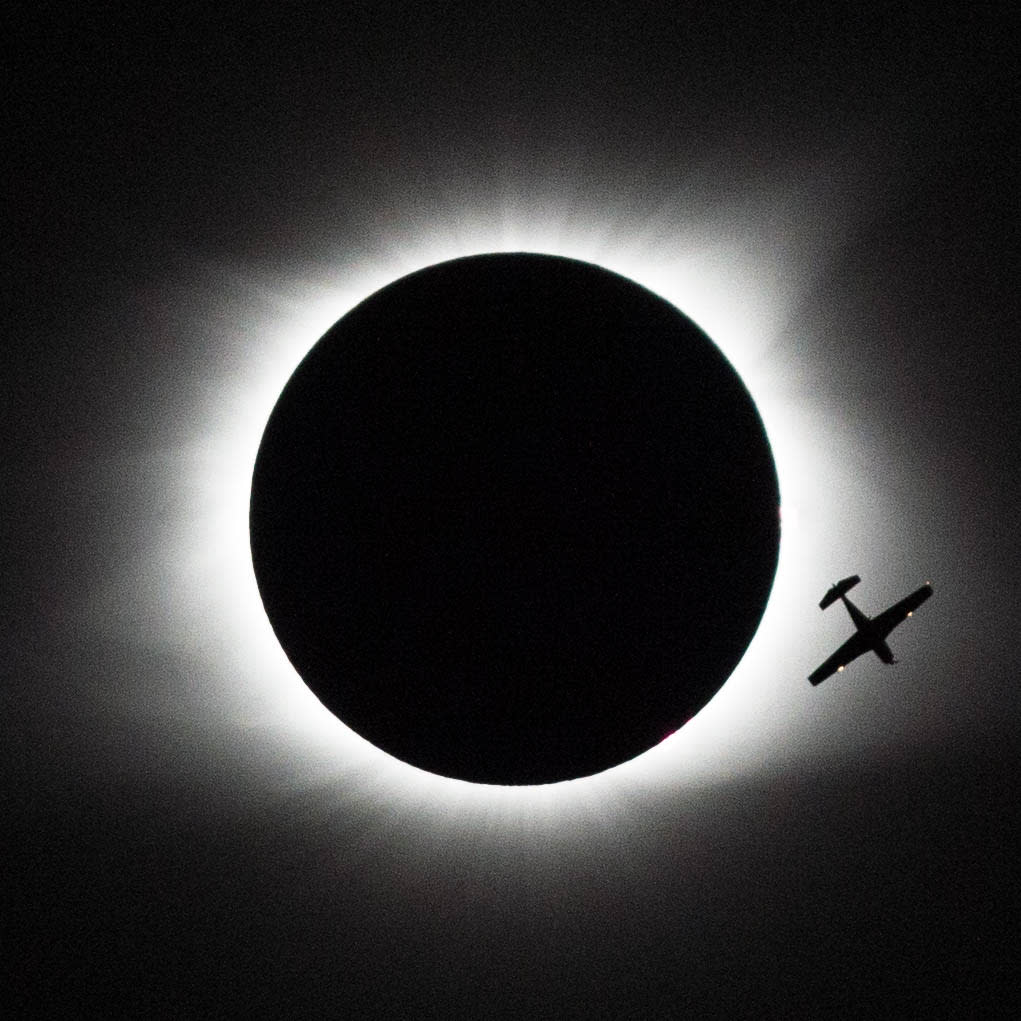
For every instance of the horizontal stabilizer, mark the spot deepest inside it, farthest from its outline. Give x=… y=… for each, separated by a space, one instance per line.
x=838 y=590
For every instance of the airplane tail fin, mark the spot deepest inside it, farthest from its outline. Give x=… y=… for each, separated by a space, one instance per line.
x=838 y=590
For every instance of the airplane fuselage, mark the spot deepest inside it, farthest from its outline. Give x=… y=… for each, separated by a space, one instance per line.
x=869 y=631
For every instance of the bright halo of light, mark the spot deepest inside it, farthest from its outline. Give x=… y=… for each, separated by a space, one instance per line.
x=731 y=290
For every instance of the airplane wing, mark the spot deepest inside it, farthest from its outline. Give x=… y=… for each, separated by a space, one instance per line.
x=889 y=619
x=851 y=649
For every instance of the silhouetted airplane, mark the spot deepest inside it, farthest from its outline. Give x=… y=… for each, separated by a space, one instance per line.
x=871 y=631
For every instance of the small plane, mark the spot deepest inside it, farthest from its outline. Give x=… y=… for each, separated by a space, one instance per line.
x=871 y=631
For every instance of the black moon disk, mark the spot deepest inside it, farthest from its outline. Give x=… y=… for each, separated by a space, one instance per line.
x=514 y=519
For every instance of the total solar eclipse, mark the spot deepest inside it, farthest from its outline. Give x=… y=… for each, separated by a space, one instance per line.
x=514 y=519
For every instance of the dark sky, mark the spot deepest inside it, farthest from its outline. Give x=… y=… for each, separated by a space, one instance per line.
x=196 y=197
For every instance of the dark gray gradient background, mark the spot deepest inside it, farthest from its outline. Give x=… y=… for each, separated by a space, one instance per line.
x=169 y=859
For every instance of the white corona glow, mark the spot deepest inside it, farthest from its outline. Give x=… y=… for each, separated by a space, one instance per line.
x=215 y=616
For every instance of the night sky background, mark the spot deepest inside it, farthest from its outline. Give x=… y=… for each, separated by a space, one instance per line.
x=196 y=197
